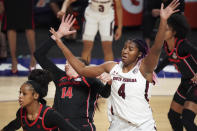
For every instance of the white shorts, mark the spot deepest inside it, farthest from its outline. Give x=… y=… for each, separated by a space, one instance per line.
x=97 y=21
x=119 y=124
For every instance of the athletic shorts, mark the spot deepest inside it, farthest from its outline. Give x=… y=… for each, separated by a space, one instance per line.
x=119 y=124
x=81 y=124
x=187 y=91
x=97 y=21
x=18 y=15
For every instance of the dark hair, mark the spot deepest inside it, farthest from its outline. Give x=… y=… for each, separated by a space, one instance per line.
x=141 y=45
x=39 y=79
x=179 y=24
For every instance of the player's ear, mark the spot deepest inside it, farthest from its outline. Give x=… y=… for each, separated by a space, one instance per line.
x=140 y=55
x=173 y=33
x=35 y=95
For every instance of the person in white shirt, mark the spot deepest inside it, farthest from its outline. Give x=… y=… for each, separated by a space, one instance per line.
x=131 y=78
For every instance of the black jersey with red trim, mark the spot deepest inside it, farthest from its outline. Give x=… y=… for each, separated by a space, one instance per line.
x=75 y=98
x=38 y=124
x=46 y=120
x=184 y=57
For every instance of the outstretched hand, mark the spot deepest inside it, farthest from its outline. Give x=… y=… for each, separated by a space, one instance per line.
x=55 y=35
x=65 y=26
x=169 y=10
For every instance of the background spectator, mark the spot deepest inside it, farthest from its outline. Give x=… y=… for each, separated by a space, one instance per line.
x=19 y=16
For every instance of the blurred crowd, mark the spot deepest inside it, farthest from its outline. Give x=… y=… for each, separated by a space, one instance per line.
x=16 y=17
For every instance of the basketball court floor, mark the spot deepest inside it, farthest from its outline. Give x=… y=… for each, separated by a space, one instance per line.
x=160 y=102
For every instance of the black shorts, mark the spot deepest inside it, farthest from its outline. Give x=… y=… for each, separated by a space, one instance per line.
x=18 y=15
x=83 y=125
x=187 y=91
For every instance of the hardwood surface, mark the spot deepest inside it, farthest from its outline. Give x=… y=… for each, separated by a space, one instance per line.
x=160 y=102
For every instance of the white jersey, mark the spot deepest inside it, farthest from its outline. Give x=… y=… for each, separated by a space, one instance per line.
x=129 y=95
x=102 y=6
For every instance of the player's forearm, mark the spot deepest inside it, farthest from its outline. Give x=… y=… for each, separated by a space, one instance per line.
x=66 y=4
x=76 y=64
x=159 y=39
x=151 y=60
x=119 y=13
x=54 y=7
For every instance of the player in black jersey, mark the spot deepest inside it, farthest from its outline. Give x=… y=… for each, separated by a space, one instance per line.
x=34 y=115
x=183 y=55
x=76 y=96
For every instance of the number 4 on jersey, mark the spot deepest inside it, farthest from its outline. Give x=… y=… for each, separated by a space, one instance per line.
x=121 y=91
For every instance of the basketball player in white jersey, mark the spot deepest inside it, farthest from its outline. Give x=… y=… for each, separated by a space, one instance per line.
x=99 y=16
x=131 y=78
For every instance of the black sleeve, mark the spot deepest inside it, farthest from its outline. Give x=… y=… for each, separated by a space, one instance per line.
x=15 y=124
x=162 y=64
x=99 y=87
x=41 y=57
x=186 y=48
x=53 y=118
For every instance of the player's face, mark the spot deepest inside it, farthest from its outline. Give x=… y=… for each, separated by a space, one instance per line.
x=26 y=95
x=69 y=70
x=130 y=53
x=169 y=34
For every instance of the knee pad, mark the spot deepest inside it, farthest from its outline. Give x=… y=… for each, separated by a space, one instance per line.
x=175 y=120
x=172 y=115
x=188 y=117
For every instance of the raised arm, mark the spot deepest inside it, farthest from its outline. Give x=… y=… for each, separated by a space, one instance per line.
x=63 y=10
x=151 y=60
x=118 y=32
x=87 y=71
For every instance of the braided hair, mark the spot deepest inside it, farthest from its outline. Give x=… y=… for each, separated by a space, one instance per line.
x=141 y=45
x=39 y=80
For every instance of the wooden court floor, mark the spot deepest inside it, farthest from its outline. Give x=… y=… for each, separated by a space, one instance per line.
x=160 y=102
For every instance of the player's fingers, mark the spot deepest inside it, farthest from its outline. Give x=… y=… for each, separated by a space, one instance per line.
x=73 y=21
x=67 y=18
x=175 y=5
x=63 y=18
x=172 y=3
x=162 y=6
x=70 y=19
x=72 y=32
x=176 y=11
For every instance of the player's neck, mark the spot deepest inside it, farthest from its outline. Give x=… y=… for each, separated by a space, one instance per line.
x=171 y=43
x=33 y=108
x=127 y=68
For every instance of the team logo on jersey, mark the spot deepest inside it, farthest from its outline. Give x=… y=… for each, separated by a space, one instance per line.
x=135 y=70
x=114 y=73
x=174 y=56
x=133 y=6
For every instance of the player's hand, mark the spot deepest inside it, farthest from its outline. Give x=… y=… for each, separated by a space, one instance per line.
x=118 y=33
x=155 y=12
x=104 y=77
x=65 y=26
x=194 y=79
x=55 y=36
x=169 y=10
x=60 y=14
